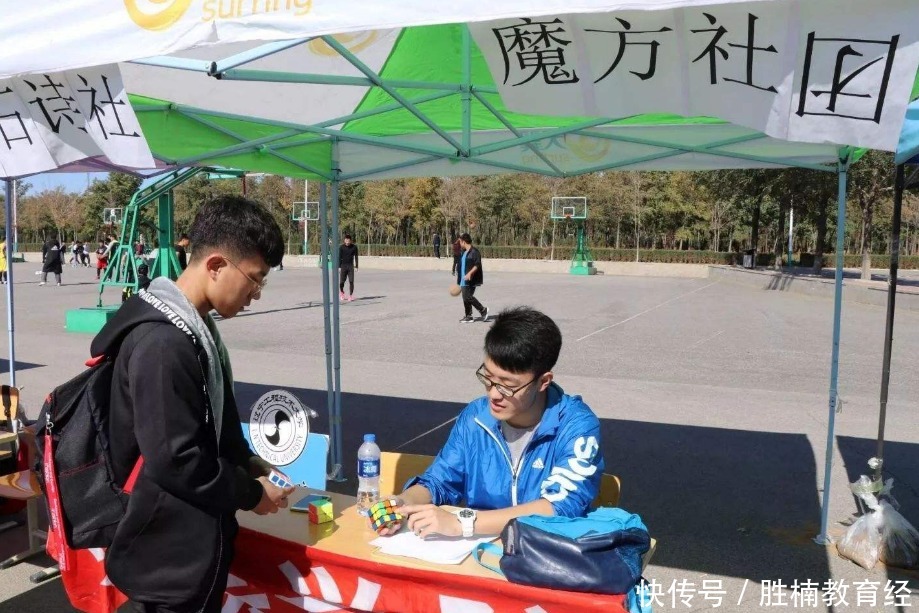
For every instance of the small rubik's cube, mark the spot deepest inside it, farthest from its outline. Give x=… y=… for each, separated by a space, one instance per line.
x=383 y=514
x=320 y=511
x=279 y=479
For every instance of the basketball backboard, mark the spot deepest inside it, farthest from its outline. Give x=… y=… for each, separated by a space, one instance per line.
x=568 y=207
x=306 y=211
x=112 y=216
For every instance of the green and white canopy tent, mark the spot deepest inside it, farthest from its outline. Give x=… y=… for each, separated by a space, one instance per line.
x=357 y=90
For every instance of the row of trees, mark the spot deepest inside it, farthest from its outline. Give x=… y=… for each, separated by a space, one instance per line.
x=719 y=211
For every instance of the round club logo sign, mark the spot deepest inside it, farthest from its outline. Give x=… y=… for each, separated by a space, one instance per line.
x=278 y=427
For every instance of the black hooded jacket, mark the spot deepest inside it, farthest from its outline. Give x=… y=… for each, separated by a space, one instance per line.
x=175 y=542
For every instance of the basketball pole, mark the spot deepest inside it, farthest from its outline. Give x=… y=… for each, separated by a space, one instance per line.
x=552 y=251
x=306 y=220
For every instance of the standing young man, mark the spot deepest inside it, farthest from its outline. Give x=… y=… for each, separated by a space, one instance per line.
x=525 y=448
x=436 y=245
x=172 y=405
x=347 y=264
x=469 y=276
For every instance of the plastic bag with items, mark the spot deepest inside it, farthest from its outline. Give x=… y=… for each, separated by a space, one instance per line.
x=882 y=533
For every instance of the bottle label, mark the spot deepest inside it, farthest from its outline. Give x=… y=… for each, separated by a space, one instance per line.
x=368 y=468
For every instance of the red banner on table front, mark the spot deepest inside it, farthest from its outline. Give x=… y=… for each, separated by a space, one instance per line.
x=270 y=574
x=279 y=576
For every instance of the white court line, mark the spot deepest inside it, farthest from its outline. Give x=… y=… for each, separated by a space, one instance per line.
x=706 y=339
x=619 y=323
x=424 y=434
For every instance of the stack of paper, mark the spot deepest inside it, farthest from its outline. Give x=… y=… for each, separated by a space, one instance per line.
x=436 y=549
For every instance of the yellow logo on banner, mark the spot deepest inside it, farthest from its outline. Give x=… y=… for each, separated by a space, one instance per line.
x=354 y=42
x=587 y=148
x=164 y=13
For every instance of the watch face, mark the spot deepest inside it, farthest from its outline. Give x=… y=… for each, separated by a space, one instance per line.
x=467 y=514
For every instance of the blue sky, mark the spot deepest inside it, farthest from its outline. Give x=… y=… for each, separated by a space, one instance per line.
x=71 y=182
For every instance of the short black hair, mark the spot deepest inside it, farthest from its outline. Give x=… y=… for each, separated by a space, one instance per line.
x=523 y=340
x=238 y=225
x=466 y=238
x=348 y=236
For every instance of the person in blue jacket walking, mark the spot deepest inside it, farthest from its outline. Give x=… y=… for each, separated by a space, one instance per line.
x=525 y=448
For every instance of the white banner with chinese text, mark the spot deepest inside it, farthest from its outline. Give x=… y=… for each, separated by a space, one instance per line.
x=837 y=71
x=53 y=119
x=54 y=36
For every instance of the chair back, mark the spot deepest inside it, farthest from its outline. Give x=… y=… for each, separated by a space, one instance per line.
x=397 y=468
x=610 y=490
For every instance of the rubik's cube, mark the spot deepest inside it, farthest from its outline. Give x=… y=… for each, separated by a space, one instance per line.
x=320 y=512
x=383 y=514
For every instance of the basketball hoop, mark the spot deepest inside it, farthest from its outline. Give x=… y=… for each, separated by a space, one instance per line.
x=567 y=216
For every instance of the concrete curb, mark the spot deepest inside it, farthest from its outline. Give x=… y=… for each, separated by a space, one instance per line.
x=625 y=269
x=854 y=290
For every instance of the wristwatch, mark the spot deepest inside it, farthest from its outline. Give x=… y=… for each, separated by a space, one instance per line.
x=467 y=521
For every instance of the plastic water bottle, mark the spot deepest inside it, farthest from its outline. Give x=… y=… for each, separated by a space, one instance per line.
x=368 y=474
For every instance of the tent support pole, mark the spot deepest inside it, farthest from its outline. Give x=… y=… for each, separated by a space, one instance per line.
x=10 y=327
x=466 y=95
x=326 y=319
x=843 y=170
x=336 y=324
x=899 y=183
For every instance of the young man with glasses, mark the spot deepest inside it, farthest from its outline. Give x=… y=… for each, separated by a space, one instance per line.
x=172 y=406
x=525 y=448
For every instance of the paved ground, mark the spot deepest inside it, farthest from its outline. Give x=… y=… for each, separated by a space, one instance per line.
x=712 y=395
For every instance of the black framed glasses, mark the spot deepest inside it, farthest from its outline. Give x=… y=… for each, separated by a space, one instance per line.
x=507 y=392
x=259 y=286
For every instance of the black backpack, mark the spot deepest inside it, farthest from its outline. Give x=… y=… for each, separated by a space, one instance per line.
x=84 y=499
x=75 y=419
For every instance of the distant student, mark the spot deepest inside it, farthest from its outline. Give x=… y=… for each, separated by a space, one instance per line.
x=347 y=264
x=52 y=261
x=437 y=245
x=468 y=277
x=104 y=253
x=74 y=254
x=182 y=251
x=3 y=265
x=457 y=254
x=143 y=282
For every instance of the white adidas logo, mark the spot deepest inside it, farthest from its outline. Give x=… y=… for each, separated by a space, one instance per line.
x=538 y=464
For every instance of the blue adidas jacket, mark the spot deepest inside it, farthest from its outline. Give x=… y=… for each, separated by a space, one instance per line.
x=562 y=462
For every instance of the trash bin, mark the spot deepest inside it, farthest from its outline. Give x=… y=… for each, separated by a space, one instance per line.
x=749 y=259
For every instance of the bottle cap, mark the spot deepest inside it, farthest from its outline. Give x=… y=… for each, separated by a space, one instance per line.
x=370 y=438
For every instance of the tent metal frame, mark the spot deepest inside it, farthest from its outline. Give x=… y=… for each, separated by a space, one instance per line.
x=458 y=148
x=333 y=131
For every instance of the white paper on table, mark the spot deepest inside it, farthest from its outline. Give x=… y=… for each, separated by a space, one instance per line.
x=434 y=549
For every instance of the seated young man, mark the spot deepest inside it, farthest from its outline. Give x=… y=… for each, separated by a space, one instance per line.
x=525 y=448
